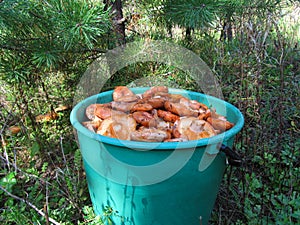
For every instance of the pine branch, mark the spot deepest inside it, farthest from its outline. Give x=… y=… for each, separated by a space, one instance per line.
x=23 y=49
x=14 y=48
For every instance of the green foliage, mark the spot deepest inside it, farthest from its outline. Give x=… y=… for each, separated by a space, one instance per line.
x=8 y=181
x=48 y=31
x=46 y=45
x=193 y=13
x=91 y=218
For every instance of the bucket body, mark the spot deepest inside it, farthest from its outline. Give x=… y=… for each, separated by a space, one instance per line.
x=154 y=183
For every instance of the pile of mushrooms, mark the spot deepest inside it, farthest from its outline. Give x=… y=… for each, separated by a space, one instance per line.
x=154 y=116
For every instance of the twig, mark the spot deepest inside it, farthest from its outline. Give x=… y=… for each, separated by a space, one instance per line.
x=17 y=169
x=65 y=160
x=15 y=160
x=67 y=194
x=63 y=154
x=46 y=206
x=5 y=151
x=29 y=204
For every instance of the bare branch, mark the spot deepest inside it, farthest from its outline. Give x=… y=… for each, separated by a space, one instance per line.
x=29 y=204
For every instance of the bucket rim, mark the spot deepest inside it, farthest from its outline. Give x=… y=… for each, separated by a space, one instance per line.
x=146 y=146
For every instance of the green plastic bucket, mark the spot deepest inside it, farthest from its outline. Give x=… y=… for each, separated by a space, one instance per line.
x=155 y=183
